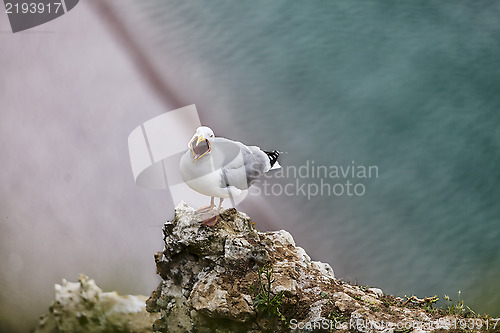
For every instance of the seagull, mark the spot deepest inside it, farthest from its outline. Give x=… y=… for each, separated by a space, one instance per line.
x=222 y=168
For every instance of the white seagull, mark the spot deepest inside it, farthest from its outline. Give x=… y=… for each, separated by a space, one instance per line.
x=219 y=167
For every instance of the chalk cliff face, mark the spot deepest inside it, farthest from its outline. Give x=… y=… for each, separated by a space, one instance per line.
x=233 y=278
x=211 y=283
x=210 y=275
x=83 y=307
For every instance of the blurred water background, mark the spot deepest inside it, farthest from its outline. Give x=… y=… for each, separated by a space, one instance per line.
x=410 y=87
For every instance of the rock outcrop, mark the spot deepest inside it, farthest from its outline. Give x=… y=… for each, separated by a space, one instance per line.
x=210 y=274
x=83 y=307
x=232 y=278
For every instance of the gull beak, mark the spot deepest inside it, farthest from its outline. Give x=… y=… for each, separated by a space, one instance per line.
x=199 y=147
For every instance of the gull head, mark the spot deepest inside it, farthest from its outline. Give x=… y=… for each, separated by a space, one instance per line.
x=200 y=143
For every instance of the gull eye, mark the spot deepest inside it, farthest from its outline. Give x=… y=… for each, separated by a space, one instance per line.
x=211 y=135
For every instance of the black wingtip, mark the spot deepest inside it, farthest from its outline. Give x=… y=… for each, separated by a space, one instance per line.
x=273 y=156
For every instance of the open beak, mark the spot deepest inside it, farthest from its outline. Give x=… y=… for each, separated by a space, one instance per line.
x=199 y=147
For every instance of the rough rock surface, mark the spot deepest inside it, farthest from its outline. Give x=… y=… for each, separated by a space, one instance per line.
x=83 y=307
x=232 y=278
x=211 y=284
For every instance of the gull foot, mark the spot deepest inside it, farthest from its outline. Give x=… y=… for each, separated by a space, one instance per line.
x=211 y=221
x=206 y=209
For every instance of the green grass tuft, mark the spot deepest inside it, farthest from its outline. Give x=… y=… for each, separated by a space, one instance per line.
x=266 y=302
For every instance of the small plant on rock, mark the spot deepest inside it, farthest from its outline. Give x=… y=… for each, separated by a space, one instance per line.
x=266 y=302
x=337 y=317
x=458 y=308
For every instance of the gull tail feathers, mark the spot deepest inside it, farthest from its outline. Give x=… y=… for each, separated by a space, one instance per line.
x=273 y=159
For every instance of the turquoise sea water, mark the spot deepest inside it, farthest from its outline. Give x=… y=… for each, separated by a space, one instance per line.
x=412 y=88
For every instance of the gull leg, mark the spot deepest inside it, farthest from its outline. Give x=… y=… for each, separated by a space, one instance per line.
x=211 y=221
x=206 y=209
x=220 y=205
